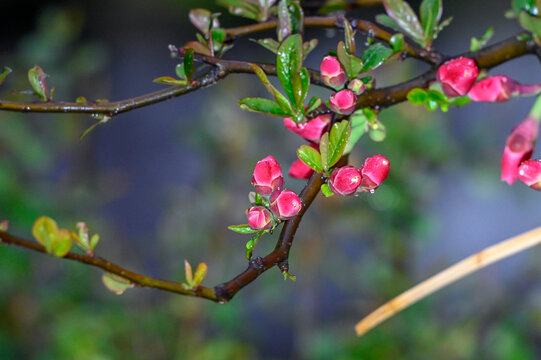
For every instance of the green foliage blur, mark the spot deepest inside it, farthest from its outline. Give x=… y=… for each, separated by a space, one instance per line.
x=350 y=254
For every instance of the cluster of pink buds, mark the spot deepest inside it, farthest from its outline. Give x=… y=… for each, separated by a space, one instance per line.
x=333 y=74
x=282 y=204
x=457 y=78
x=348 y=180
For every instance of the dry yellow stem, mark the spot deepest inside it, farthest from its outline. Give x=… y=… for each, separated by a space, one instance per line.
x=465 y=267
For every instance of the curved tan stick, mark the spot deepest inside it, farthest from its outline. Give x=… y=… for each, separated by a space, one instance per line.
x=465 y=267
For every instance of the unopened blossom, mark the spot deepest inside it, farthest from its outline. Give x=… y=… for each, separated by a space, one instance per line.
x=343 y=102
x=267 y=176
x=312 y=129
x=285 y=204
x=518 y=148
x=457 y=76
x=332 y=72
x=259 y=218
x=529 y=172
x=374 y=171
x=345 y=180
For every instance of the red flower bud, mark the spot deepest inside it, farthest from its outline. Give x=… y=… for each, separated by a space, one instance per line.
x=374 y=171
x=300 y=170
x=285 y=204
x=343 y=102
x=497 y=88
x=457 y=76
x=259 y=218
x=267 y=176
x=311 y=130
x=529 y=172
x=519 y=147
x=332 y=72
x=345 y=180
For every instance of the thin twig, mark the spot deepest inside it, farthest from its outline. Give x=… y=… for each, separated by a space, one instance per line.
x=448 y=276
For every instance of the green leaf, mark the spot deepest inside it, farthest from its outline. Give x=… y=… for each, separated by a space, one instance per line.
x=526 y=5
x=308 y=46
x=437 y=96
x=352 y=64
x=56 y=241
x=116 y=284
x=326 y=190
x=338 y=138
x=37 y=77
x=324 y=151
x=188 y=64
x=397 y=42
x=313 y=104
x=332 y=6
x=477 y=44
x=242 y=229
x=386 y=20
x=310 y=157
x=218 y=38
x=252 y=243
x=241 y=8
x=265 y=106
x=405 y=17
x=359 y=125
x=430 y=12
x=201 y=19
x=198 y=48
x=282 y=101
x=179 y=70
x=417 y=96
x=431 y=105
x=169 y=81
x=530 y=23
x=94 y=240
x=289 y=64
x=200 y=274
x=269 y=44
x=62 y=243
x=305 y=85
x=349 y=35
x=374 y=56
x=377 y=131
x=5 y=72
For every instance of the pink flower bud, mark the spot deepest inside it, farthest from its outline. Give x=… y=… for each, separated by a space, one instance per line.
x=374 y=171
x=345 y=180
x=497 y=88
x=529 y=172
x=518 y=147
x=357 y=86
x=267 y=176
x=343 y=102
x=311 y=130
x=457 y=76
x=285 y=204
x=332 y=72
x=300 y=170
x=259 y=218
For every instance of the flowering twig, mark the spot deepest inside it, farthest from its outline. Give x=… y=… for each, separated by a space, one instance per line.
x=448 y=276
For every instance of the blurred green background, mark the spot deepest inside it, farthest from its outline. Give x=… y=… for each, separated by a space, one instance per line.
x=161 y=184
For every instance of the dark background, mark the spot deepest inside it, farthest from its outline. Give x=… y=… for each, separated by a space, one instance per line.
x=160 y=185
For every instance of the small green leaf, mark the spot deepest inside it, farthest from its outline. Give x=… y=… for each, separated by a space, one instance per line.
x=417 y=96
x=264 y=106
x=326 y=190
x=313 y=104
x=188 y=273
x=431 y=105
x=377 y=131
x=188 y=65
x=530 y=23
x=169 y=81
x=81 y=100
x=179 y=70
x=437 y=96
x=305 y=85
x=37 y=77
x=242 y=229
x=324 y=151
x=269 y=44
x=430 y=12
x=289 y=64
x=397 y=42
x=349 y=35
x=252 y=243
x=94 y=240
x=116 y=284
x=405 y=17
x=477 y=44
x=311 y=157
x=526 y=5
x=201 y=19
x=282 y=101
x=308 y=46
x=352 y=64
x=338 y=138
x=359 y=126
x=218 y=37
x=241 y=8
x=56 y=241
x=386 y=20
x=5 y=72
x=200 y=273
x=331 y=6
x=374 y=56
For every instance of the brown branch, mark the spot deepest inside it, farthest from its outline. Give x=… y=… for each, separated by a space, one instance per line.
x=137 y=279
